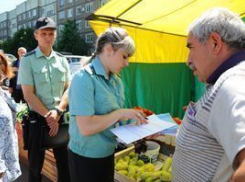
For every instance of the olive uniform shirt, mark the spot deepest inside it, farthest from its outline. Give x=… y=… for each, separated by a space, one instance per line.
x=48 y=75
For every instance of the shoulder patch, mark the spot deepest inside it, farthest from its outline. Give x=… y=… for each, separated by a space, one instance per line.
x=59 y=54
x=30 y=53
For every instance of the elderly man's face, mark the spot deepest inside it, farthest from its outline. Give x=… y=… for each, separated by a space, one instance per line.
x=199 y=60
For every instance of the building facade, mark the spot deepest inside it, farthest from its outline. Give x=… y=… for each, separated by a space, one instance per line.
x=26 y=14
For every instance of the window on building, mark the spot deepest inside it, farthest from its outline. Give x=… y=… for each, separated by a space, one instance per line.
x=29 y=24
x=61 y=14
x=29 y=14
x=13 y=25
x=62 y=3
x=89 y=7
x=50 y=13
x=4 y=24
x=103 y=2
x=79 y=24
x=23 y=16
x=79 y=10
x=70 y=13
x=87 y=24
x=19 y=18
x=89 y=38
x=61 y=28
x=19 y=27
x=34 y=12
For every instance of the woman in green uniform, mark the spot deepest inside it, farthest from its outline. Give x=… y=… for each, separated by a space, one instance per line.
x=96 y=100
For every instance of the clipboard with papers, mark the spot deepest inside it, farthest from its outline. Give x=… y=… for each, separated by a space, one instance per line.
x=156 y=123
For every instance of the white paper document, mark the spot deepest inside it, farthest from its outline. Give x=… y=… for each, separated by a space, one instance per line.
x=132 y=133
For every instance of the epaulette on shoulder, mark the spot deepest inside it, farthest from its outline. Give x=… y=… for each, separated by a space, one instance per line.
x=59 y=54
x=89 y=69
x=29 y=53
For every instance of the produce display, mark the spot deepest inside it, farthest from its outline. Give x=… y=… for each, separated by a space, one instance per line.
x=177 y=120
x=136 y=169
x=146 y=112
x=22 y=111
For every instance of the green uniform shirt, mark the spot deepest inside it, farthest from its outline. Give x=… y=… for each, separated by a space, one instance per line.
x=48 y=75
x=94 y=95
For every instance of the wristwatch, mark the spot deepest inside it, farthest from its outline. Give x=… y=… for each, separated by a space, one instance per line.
x=59 y=111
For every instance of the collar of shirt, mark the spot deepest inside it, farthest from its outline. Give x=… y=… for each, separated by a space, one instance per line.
x=229 y=63
x=40 y=54
x=100 y=70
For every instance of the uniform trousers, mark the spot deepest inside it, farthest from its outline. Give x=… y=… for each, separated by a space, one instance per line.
x=36 y=156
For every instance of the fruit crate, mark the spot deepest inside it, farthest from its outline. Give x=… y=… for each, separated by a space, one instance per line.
x=122 y=178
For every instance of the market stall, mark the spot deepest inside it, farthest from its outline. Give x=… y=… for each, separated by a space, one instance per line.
x=158 y=77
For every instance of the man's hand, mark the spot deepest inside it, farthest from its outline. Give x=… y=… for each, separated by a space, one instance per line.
x=1 y=175
x=52 y=118
x=239 y=167
x=10 y=90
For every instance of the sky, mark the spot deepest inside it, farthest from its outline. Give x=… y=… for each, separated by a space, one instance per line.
x=7 y=5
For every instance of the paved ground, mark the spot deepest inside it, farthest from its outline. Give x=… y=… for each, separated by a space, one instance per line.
x=24 y=176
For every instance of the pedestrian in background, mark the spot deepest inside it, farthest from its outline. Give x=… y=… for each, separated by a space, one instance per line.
x=9 y=152
x=14 y=88
x=96 y=101
x=210 y=145
x=45 y=77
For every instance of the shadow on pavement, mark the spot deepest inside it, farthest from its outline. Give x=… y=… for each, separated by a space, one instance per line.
x=24 y=176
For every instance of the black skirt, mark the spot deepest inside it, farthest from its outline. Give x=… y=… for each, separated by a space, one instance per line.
x=84 y=169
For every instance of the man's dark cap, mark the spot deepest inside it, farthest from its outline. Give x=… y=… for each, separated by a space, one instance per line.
x=45 y=22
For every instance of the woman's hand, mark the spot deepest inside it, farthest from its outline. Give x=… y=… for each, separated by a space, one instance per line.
x=132 y=114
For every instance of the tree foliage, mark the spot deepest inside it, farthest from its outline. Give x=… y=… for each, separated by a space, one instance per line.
x=71 y=41
x=21 y=38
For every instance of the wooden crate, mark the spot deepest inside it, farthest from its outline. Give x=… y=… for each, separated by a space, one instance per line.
x=117 y=176
x=121 y=178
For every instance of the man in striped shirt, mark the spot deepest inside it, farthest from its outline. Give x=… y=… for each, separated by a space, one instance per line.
x=210 y=145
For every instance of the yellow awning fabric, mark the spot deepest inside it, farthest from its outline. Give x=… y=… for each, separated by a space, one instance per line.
x=159 y=27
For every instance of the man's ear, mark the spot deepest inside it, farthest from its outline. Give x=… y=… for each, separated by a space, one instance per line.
x=35 y=34
x=216 y=42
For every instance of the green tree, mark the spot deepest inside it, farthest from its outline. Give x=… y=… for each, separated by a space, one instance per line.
x=21 y=38
x=71 y=41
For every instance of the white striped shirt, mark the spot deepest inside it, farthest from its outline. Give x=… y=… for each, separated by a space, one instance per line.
x=213 y=131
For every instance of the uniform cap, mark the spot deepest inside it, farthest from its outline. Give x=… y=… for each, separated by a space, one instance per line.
x=45 y=22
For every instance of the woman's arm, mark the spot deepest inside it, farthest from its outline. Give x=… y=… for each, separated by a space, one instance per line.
x=89 y=125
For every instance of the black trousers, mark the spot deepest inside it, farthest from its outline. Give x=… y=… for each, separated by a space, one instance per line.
x=36 y=156
x=84 y=169
x=18 y=95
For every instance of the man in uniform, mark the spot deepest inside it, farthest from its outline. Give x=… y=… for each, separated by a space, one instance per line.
x=45 y=77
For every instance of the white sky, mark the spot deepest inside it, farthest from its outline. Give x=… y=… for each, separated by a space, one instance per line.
x=7 y=5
